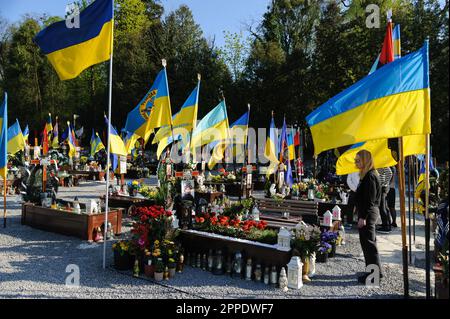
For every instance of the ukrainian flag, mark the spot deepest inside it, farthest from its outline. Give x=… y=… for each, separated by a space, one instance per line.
x=71 y=141
x=238 y=138
x=72 y=50
x=153 y=110
x=129 y=140
x=412 y=145
x=213 y=127
x=397 y=42
x=392 y=102
x=183 y=122
x=382 y=156
x=270 y=149
x=48 y=125
x=96 y=144
x=291 y=147
x=16 y=142
x=26 y=133
x=55 y=142
x=116 y=145
x=4 y=137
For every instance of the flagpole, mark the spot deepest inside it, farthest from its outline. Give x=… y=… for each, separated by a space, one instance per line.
x=194 y=123
x=409 y=208
x=245 y=154
x=427 y=217
x=108 y=146
x=164 y=64
x=401 y=177
x=4 y=198
x=415 y=162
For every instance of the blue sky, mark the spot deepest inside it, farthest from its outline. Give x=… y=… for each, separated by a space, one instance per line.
x=214 y=16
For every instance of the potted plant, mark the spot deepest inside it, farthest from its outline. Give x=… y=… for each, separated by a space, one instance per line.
x=123 y=260
x=172 y=265
x=159 y=269
x=149 y=267
x=330 y=238
x=322 y=252
x=305 y=242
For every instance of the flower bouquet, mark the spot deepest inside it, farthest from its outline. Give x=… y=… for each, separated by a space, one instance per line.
x=306 y=239
x=329 y=238
x=123 y=259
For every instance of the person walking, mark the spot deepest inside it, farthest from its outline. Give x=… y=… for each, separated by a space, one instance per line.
x=385 y=176
x=368 y=197
x=391 y=198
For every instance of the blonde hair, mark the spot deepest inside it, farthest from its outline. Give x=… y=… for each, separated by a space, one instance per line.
x=366 y=161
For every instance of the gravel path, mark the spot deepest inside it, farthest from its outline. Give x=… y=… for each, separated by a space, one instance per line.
x=33 y=265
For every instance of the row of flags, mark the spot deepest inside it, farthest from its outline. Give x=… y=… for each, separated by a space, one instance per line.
x=281 y=149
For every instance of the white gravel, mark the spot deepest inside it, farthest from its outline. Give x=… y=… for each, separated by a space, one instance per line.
x=33 y=265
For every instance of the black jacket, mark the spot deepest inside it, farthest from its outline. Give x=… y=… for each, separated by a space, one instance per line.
x=368 y=195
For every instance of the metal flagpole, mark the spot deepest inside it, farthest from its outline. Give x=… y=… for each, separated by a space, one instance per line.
x=414 y=198
x=109 y=140
x=243 y=185
x=410 y=170
x=4 y=199
x=194 y=123
x=164 y=64
x=427 y=217
x=401 y=175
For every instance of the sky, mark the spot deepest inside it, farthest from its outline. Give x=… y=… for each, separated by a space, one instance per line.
x=214 y=16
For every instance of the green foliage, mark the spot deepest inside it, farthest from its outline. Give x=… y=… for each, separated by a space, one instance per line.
x=300 y=55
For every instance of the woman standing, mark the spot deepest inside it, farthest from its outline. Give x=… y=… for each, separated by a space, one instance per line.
x=368 y=196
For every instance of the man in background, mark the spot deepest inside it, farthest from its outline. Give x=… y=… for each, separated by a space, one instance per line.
x=391 y=198
x=385 y=180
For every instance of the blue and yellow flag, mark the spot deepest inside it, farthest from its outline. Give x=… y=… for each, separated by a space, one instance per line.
x=392 y=102
x=96 y=144
x=412 y=144
x=183 y=122
x=48 y=124
x=116 y=145
x=4 y=137
x=16 y=142
x=290 y=145
x=72 y=50
x=26 y=133
x=213 y=127
x=71 y=141
x=55 y=141
x=129 y=140
x=153 y=110
x=270 y=149
x=237 y=139
x=397 y=42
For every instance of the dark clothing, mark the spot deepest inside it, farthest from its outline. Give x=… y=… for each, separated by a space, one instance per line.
x=391 y=204
x=368 y=195
x=368 y=198
x=391 y=198
x=351 y=204
x=368 y=240
x=385 y=213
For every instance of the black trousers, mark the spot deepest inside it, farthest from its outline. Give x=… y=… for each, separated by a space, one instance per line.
x=368 y=240
x=385 y=214
x=351 y=207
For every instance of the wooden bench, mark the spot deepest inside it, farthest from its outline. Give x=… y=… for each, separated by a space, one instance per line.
x=272 y=211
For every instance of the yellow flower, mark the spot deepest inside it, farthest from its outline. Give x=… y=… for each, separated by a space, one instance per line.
x=135 y=183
